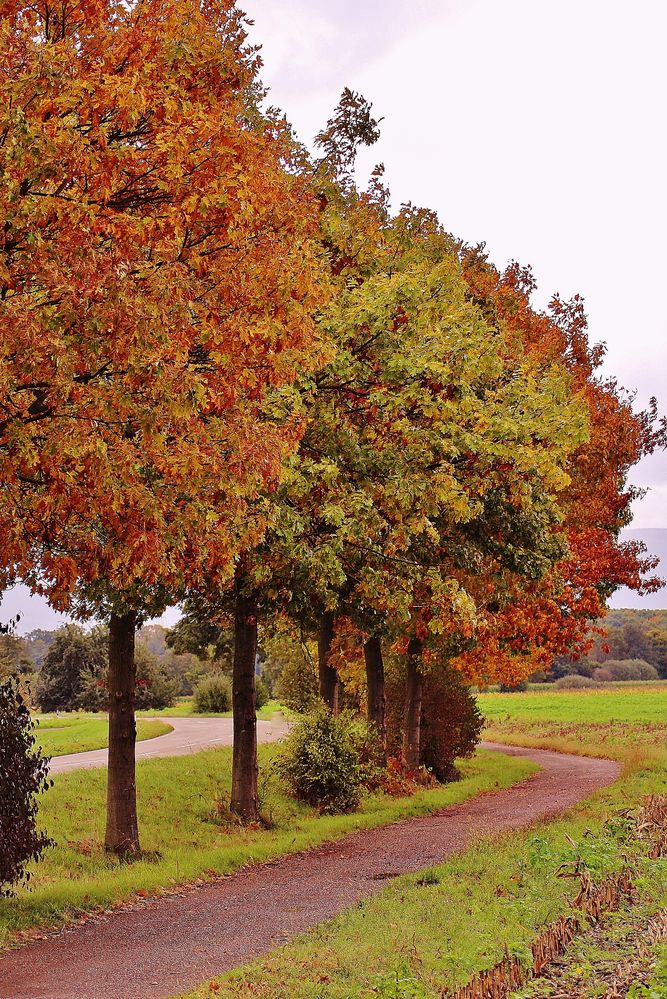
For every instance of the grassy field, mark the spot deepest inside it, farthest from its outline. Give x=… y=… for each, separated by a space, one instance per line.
x=599 y=722
x=78 y=732
x=186 y=836
x=425 y=934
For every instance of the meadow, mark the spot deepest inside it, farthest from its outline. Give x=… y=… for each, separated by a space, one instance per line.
x=433 y=931
x=605 y=721
x=81 y=731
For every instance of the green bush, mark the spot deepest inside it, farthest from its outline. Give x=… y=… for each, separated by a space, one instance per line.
x=261 y=692
x=213 y=695
x=328 y=760
x=575 y=682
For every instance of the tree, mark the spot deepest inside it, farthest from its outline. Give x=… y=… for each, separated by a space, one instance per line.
x=427 y=479
x=37 y=643
x=553 y=617
x=158 y=273
x=72 y=656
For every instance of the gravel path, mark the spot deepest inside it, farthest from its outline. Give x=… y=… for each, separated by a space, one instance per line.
x=189 y=735
x=163 y=946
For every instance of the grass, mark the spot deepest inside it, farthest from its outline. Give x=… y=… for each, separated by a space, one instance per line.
x=185 y=708
x=423 y=934
x=79 y=732
x=597 y=722
x=183 y=836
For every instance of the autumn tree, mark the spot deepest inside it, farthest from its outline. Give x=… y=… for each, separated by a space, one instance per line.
x=263 y=570
x=553 y=618
x=426 y=439
x=157 y=274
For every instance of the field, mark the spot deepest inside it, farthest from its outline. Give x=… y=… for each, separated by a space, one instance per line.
x=428 y=933
x=79 y=732
x=187 y=833
x=599 y=722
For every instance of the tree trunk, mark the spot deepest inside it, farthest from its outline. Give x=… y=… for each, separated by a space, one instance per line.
x=413 y=705
x=244 y=704
x=329 y=683
x=375 y=685
x=122 y=832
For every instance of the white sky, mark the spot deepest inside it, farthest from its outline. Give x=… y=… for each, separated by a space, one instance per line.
x=537 y=126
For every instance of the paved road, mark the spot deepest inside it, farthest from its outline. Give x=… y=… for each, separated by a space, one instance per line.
x=189 y=735
x=162 y=946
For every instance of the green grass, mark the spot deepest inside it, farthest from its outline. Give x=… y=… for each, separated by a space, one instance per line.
x=422 y=935
x=598 y=722
x=185 y=708
x=177 y=799
x=79 y=732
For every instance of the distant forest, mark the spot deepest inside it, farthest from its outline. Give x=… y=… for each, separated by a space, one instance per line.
x=25 y=655
x=631 y=635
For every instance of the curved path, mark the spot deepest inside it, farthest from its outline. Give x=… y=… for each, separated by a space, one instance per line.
x=163 y=946
x=189 y=735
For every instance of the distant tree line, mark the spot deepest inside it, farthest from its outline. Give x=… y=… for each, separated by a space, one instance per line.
x=627 y=644
x=66 y=669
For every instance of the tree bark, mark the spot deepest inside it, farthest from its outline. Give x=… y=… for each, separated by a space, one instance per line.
x=329 y=682
x=122 y=832
x=375 y=685
x=244 y=704
x=413 y=705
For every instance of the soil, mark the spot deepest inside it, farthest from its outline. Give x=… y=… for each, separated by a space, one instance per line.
x=163 y=946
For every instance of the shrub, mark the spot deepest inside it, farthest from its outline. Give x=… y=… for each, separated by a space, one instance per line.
x=261 y=692
x=513 y=688
x=327 y=760
x=451 y=723
x=213 y=695
x=23 y=775
x=575 y=682
x=399 y=783
x=625 y=669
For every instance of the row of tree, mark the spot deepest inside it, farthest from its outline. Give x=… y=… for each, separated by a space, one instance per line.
x=232 y=377
x=66 y=669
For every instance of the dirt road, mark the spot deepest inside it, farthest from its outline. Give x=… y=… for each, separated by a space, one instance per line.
x=161 y=947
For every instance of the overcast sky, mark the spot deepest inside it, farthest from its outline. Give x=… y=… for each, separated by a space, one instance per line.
x=535 y=126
